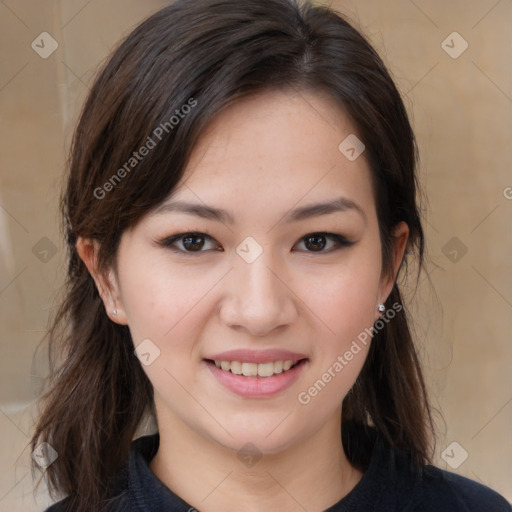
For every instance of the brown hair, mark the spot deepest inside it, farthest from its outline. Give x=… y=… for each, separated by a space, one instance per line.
x=212 y=53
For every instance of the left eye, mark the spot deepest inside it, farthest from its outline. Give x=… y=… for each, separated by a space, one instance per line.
x=316 y=242
x=194 y=242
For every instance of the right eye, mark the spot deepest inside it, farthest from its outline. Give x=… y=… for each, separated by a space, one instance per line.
x=191 y=242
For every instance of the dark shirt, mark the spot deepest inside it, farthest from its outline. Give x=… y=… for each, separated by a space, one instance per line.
x=389 y=484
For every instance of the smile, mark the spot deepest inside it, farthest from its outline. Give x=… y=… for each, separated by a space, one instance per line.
x=256 y=380
x=254 y=369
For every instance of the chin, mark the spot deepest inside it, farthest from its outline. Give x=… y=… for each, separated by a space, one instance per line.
x=261 y=439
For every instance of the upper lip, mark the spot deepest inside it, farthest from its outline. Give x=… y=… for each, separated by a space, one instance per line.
x=257 y=356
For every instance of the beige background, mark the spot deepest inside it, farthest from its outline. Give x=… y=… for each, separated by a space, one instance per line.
x=461 y=109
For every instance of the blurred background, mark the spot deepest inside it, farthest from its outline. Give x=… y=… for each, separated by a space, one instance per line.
x=452 y=61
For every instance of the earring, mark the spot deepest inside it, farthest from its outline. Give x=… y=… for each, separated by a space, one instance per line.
x=114 y=312
x=381 y=308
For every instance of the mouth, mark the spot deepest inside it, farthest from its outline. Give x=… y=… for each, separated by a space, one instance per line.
x=259 y=370
x=256 y=380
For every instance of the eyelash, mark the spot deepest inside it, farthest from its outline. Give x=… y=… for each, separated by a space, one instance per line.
x=169 y=241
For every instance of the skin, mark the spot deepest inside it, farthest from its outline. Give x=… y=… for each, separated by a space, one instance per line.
x=260 y=158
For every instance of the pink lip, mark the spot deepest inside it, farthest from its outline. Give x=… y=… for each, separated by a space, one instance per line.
x=255 y=387
x=257 y=356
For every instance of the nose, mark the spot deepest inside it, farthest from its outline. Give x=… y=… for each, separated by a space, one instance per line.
x=259 y=299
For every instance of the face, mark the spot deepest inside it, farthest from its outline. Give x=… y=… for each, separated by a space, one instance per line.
x=269 y=277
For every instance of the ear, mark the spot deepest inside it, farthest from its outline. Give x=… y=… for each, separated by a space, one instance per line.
x=107 y=284
x=399 y=243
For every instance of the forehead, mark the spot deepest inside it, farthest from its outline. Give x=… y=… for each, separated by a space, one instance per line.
x=276 y=150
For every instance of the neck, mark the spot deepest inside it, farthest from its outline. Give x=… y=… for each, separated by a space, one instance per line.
x=313 y=475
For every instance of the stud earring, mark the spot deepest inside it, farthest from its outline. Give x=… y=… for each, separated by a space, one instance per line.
x=114 y=312
x=381 y=308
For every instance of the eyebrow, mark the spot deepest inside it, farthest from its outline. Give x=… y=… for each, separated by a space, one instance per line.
x=341 y=204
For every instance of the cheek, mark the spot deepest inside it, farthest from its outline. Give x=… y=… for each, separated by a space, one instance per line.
x=160 y=300
x=162 y=306
x=346 y=306
x=344 y=297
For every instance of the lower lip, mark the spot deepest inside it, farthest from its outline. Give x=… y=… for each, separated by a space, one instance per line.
x=255 y=387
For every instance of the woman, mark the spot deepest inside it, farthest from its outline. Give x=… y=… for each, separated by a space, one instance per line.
x=240 y=201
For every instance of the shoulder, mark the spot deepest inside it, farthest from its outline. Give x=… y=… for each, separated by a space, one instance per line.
x=117 y=500
x=118 y=503
x=126 y=486
x=60 y=506
x=433 y=488
x=392 y=483
x=451 y=491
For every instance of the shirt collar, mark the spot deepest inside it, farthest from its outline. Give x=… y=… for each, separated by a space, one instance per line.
x=149 y=494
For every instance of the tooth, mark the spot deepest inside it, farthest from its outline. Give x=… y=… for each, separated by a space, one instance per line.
x=287 y=364
x=250 y=369
x=236 y=367
x=265 y=369
x=254 y=369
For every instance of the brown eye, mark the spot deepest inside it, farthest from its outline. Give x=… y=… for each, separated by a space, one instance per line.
x=316 y=242
x=192 y=243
